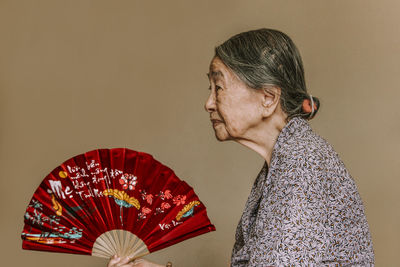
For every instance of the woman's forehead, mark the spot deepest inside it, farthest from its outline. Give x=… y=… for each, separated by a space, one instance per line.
x=216 y=63
x=217 y=69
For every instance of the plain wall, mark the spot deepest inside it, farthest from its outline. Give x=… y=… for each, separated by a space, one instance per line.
x=81 y=75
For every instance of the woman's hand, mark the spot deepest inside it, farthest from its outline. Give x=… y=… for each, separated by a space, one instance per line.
x=125 y=262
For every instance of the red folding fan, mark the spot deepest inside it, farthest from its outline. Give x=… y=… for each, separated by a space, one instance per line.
x=112 y=201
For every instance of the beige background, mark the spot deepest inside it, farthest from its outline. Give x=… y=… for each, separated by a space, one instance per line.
x=79 y=75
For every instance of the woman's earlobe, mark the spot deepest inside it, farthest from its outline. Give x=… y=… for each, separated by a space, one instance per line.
x=267 y=108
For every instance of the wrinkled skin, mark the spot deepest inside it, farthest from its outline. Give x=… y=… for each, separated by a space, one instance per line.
x=251 y=117
x=234 y=108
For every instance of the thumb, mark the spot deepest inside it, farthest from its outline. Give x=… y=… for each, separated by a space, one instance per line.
x=124 y=260
x=138 y=261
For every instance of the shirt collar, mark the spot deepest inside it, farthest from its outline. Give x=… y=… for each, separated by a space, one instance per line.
x=291 y=132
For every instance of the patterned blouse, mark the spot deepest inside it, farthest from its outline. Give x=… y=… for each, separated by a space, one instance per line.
x=304 y=210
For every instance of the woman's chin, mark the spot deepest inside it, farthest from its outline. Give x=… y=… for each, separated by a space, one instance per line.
x=222 y=135
x=221 y=139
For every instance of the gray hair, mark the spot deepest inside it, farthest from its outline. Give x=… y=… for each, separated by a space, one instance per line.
x=266 y=57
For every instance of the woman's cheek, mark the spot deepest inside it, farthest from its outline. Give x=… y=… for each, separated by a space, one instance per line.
x=232 y=126
x=229 y=117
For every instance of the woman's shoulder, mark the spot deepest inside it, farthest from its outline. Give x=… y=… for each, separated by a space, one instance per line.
x=304 y=154
x=308 y=147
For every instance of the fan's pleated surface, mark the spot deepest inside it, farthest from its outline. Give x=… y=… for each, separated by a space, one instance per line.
x=112 y=201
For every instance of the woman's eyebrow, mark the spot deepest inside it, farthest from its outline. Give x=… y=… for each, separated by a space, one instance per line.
x=216 y=74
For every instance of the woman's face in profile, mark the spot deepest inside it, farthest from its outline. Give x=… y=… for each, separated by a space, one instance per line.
x=234 y=108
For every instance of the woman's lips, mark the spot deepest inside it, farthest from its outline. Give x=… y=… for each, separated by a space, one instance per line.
x=215 y=122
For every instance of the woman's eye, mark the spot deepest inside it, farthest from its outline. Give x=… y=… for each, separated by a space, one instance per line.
x=216 y=88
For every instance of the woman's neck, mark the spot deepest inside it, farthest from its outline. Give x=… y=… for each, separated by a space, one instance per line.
x=262 y=139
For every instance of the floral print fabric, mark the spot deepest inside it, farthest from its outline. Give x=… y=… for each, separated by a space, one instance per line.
x=304 y=210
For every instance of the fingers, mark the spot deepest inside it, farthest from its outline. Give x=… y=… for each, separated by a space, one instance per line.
x=117 y=261
x=113 y=261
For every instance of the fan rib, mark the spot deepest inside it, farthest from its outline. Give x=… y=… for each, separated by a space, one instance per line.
x=134 y=247
x=108 y=238
x=101 y=243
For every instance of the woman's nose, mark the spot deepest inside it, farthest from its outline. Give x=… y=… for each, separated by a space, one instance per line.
x=209 y=106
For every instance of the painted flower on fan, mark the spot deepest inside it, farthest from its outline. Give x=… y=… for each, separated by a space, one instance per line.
x=149 y=198
x=143 y=213
x=122 y=198
x=165 y=195
x=179 y=200
x=128 y=181
x=146 y=210
x=187 y=210
x=165 y=206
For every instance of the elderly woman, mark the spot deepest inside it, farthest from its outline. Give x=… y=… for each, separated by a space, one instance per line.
x=304 y=208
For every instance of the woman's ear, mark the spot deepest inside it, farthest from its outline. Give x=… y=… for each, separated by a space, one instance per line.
x=270 y=100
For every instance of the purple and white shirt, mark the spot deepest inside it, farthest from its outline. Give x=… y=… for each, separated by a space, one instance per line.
x=304 y=210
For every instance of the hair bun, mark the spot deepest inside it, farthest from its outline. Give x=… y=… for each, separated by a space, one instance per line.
x=307 y=108
x=310 y=106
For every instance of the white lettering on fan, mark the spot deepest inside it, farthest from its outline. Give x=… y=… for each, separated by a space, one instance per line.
x=85 y=179
x=92 y=165
x=56 y=187
x=164 y=226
